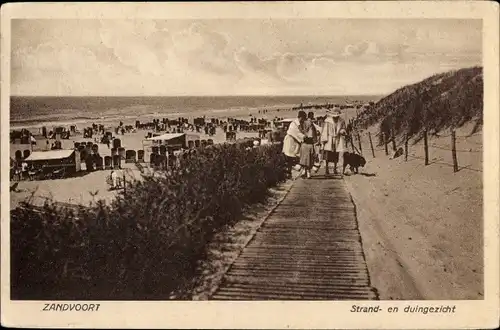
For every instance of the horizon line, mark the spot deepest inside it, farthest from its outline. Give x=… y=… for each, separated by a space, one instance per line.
x=208 y=95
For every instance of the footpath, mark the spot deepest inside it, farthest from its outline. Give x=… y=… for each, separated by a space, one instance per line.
x=309 y=248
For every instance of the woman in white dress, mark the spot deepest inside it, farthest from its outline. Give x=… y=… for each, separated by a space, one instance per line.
x=333 y=139
x=307 y=153
x=293 y=140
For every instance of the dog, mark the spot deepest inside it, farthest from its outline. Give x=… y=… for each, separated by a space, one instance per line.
x=354 y=161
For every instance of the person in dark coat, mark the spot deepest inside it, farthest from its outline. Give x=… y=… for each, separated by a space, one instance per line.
x=307 y=154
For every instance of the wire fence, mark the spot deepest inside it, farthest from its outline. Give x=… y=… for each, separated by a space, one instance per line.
x=442 y=161
x=390 y=147
x=458 y=136
x=447 y=148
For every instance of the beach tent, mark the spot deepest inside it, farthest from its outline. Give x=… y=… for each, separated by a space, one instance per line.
x=180 y=140
x=173 y=141
x=68 y=159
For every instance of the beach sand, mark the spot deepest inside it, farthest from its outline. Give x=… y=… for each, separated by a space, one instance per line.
x=77 y=189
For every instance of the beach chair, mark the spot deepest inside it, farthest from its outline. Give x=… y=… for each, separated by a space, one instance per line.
x=99 y=162
x=117 y=143
x=152 y=159
x=140 y=156
x=116 y=162
x=130 y=156
x=108 y=162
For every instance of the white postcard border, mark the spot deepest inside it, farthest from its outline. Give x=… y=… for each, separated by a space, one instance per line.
x=271 y=314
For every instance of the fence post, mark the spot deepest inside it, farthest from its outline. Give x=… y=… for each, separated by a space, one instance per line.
x=426 y=148
x=454 y=151
x=385 y=144
x=359 y=143
x=371 y=144
x=406 y=147
x=393 y=138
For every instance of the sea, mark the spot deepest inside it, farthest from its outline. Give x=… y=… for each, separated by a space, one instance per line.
x=29 y=111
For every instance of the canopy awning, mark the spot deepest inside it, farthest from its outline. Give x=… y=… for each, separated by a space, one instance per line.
x=49 y=155
x=166 y=137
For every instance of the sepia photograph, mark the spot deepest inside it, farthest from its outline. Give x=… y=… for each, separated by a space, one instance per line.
x=251 y=159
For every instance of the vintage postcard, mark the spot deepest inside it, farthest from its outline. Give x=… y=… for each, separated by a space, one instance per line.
x=250 y=165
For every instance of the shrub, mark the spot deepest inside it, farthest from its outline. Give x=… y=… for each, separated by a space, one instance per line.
x=444 y=100
x=148 y=240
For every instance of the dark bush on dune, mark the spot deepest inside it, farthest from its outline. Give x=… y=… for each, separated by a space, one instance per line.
x=149 y=239
x=436 y=103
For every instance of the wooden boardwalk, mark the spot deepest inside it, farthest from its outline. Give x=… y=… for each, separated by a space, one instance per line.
x=308 y=249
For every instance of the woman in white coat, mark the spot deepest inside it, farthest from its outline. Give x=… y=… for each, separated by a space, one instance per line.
x=293 y=140
x=333 y=139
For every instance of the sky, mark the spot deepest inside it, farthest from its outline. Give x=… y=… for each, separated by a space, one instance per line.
x=236 y=57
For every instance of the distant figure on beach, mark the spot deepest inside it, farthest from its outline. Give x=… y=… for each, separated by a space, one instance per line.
x=333 y=139
x=17 y=173
x=293 y=140
x=307 y=148
x=24 y=169
x=114 y=180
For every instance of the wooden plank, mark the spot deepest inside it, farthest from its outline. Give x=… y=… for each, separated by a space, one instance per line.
x=308 y=248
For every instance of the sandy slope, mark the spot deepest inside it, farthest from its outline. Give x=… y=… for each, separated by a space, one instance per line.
x=422 y=226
